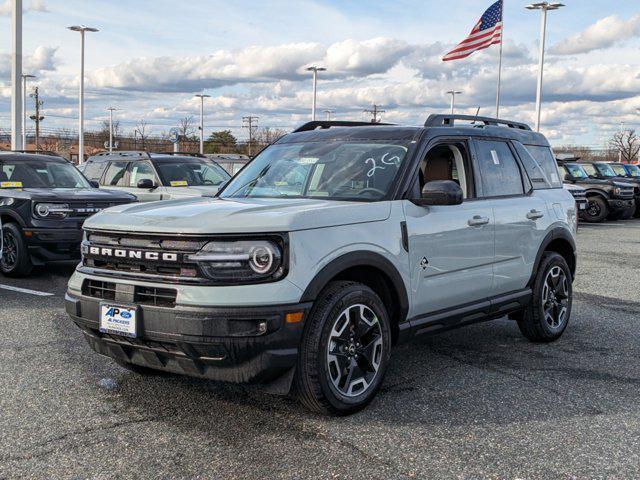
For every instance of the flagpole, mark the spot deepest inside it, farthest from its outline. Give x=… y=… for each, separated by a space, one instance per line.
x=500 y=66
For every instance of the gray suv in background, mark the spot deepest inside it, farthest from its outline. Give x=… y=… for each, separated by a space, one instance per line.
x=156 y=176
x=334 y=244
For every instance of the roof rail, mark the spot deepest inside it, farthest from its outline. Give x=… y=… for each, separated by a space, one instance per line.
x=322 y=124
x=123 y=153
x=183 y=154
x=440 y=120
x=37 y=152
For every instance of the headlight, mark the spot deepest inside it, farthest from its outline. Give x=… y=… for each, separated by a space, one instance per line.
x=52 y=210
x=241 y=261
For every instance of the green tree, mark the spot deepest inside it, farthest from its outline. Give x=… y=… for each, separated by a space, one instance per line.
x=220 y=142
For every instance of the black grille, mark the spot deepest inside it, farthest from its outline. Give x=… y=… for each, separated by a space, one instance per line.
x=99 y=289
x=86 y=209
x=156 y=297
x=626 y=192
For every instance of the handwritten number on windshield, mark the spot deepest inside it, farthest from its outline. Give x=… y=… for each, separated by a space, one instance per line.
x=395 y=161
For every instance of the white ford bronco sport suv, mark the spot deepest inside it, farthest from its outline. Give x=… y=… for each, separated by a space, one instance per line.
x=334 y=244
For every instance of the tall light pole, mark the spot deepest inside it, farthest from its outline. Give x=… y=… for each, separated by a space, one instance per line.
x=111 y=110
x=202 y=96
x=328 y=113
x=16 y=73
x=82 y=29
x=544 y=7
x=453 y=94
x=315 y=69
x=24 y=109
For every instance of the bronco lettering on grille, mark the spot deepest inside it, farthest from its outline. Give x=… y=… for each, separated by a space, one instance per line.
x=133 y=254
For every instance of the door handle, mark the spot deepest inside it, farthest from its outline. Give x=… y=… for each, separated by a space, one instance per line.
x=535 y=214
x=478 y=221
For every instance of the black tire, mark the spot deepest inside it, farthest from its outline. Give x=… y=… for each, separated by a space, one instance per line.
x=543 y=321
x=140 y=370
x=329 y=329
x=597 y=210
x=15 y=261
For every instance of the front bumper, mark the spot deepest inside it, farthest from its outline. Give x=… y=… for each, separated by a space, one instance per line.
x=53 y=244
x=617 y=204
x=224 y=344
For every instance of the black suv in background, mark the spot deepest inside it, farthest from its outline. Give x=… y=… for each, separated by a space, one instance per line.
x=606 y=198
x=44 y=201
x=618 y=171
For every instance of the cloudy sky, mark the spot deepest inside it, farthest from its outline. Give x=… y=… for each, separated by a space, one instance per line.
x=150 y=57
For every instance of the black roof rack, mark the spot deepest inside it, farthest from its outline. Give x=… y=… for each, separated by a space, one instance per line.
x=123 y=153
x=322 y=124
x=182 y=154
x=36 y=152
x=440 y=120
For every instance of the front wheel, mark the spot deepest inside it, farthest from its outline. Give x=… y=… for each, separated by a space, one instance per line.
x=547 y=316
x=345 y=350
x=597 y=210
x=15 y=260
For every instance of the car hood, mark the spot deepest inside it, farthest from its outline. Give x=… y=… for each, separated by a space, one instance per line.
x=572 y=187
x=69 y=194
x=214 y=215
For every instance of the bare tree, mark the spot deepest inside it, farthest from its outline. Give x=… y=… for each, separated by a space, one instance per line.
x=142 y=132
x=104 y=130
x=267 y=136
x=187 y=126
x=627 y=144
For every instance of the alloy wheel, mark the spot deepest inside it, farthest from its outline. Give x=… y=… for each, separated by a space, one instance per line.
x=555 y=298
x=9 y=252
x=354 y=351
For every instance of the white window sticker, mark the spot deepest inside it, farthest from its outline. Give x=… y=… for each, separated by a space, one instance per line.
x=494 y=155
x=554 y=177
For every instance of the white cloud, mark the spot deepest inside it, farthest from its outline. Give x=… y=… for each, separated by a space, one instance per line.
x=42 y=59
x=37 y=6
x=605 y=33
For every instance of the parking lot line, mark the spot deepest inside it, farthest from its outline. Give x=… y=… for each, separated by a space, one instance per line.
x=25 y=290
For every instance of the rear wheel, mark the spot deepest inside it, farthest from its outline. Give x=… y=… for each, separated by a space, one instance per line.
x=547 y=316
x=597 y=210
x=345 y=350
x=15 y=261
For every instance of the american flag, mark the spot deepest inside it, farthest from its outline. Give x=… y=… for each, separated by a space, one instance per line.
x=488 y=31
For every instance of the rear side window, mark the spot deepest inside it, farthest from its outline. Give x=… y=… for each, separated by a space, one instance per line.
x=115 y=174
x=142 y=171
x=93 y=170
x=499 y=169
x=546 y=160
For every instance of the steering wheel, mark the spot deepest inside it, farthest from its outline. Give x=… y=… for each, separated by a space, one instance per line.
x=207 y=182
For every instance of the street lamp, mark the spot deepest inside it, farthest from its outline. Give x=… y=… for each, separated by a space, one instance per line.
x=111 y=109
x=202 y=96
x=315 y=69
x=544 y=7
x=82 y=29
x=453 y=94
x=24 y=109
x=328 y=113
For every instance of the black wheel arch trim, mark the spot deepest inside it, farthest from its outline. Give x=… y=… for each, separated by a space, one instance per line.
x=13 y=216
x=601 y=193
x=359 y=258
x=558 y=233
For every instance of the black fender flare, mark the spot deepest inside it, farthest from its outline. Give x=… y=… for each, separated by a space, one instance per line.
x=355 y=259
x=4 y=213
x=598 y=192
x=557 y=233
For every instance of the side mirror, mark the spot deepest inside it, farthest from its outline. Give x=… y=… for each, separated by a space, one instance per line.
x=94 y=183
x=146 y=183
x=568 y=177
x=440 y=192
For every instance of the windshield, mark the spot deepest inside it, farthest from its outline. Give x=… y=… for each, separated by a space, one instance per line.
x=605 y=170
x=362 y=170
x=619 y=170
x=21 y=173
x=590 y=169
x=633 y=170
x=190 y=172
x=576 y=171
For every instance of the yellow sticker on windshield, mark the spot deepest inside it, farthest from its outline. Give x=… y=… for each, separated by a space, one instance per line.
x=10 y=184
x=179 y=183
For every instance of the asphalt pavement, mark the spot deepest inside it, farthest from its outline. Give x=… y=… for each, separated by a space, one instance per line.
x=479 y=402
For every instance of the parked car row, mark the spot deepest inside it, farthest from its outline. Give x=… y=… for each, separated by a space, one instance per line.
x=334 y=244
x=611 y=190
